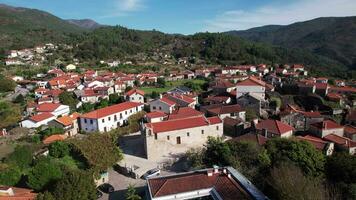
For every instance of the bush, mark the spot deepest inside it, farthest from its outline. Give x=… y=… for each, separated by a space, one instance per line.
x=10 y=176
x=45 y=173
x=59 y=149
x=21 y=157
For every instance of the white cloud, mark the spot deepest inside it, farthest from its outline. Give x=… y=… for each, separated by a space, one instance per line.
x=280 y=14
x=124 y=7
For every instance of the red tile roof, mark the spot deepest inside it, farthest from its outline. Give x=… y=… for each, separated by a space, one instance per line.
x=155 y=114
x=54 y=138
x=68 y=120
x=184 y=123
x=257 y=138
x=326 y=124
x=184 y=112
x=350 y=129
x=168 y=101
x=251 y=81
x=133 y=91
x=227 y=188
x=96 y=114
x=318 y=143
x=225 y=109
x=346 y=142
x=274 y=126
x=19 y=194
x=41 y=117
x=47 y=107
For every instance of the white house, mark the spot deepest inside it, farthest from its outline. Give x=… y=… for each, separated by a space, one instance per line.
x=163 y=104
x=37 y=120
x=252 y=86
x=70 y=67
x=167 y=139
x=55 y=109
x=135 y=95
x=108 y=118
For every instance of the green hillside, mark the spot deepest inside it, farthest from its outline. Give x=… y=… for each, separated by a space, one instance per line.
x=332 y=37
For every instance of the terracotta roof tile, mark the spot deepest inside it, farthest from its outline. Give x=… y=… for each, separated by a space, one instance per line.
x=47 y=107
x=41 y=117
x=326 y=124
x=133 y=91
x=274 y=126
x=54 y=138
x=96 y=114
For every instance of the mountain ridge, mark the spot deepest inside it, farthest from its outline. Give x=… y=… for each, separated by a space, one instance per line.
x=333 y=37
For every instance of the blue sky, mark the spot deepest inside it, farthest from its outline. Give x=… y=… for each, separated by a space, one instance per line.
x=191 y=16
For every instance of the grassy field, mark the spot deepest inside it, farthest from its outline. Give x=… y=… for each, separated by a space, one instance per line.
x=170 y=85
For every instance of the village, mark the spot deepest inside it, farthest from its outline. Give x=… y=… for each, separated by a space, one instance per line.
x=176 y=111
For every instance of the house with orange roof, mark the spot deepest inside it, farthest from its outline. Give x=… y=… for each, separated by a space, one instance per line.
x=163 y=104
x=215 y=183
x=15 y=193
x=167 y=139
x=273 y=128
x=55 y=109
x=135 y=95
x=326 y=127
x=342 y=143
x=326 y=147
x=37 y=120
x=54 y=138
x=69 y=123
x=108 y=118
x=251 y=86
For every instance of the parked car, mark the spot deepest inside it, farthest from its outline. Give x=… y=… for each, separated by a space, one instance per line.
x=151 y=173
x=99 y=194
x=106 y=187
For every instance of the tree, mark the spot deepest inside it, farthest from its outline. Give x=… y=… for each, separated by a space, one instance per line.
x=128 y=88
x=102 y=104
x=131 y=193
x=45 y=196
x=302 y=153
x=19 y=99
x=250 y=114
x=21 y=157
x=99 y=150
x=52 y=130
x=10 y=176
x=136 y=83
x=115 y=99
x=289 y=182
x=75 y=185
x=10 y=114
x=161 y=82
x=195 y=158
x=218 y=153
x=6 y=85
x=154 y=94
x=59 y=149
x=67 y=98
x=43 y=174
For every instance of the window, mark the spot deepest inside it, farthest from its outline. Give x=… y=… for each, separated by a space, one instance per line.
x=132 y=98
x=188 y=134
x=178 y=140
x=109 y=118
x=154 y=107
x=140 y=98
x=155 y=136
x=167 y=137
x=160 y=108
x=136 y=109
x=149 y=132
x=130 y=111
x=85 y=120
x=103 y=120
x=120 y=115
x=91 y=121
x=115 y=118
x=217 y=127
x=126 y=112
x=202 y=132
x=105 y=129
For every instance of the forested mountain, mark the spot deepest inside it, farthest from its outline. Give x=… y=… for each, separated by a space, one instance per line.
x=21 y=28
x=85 y=23
x=332 y=37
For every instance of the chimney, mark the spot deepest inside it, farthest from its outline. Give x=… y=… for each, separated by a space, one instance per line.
x=264 y=132
x=210 y=173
